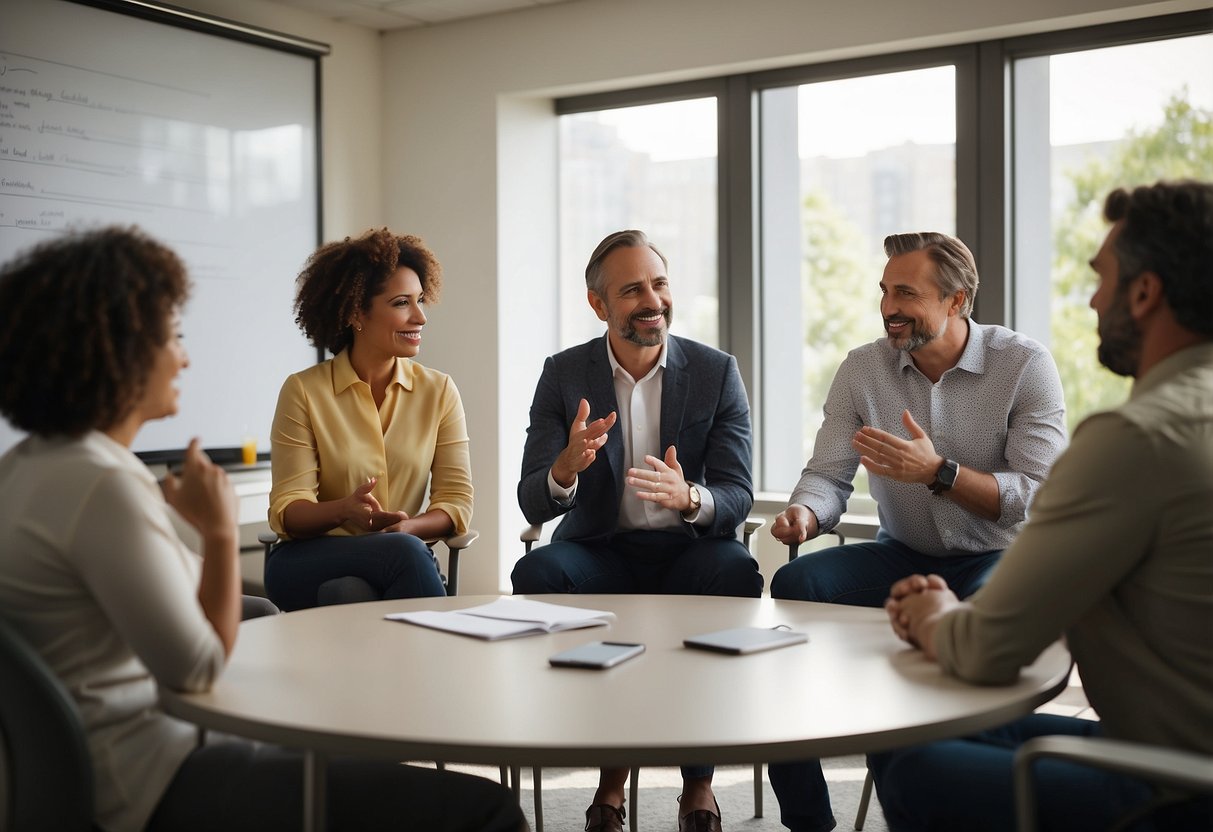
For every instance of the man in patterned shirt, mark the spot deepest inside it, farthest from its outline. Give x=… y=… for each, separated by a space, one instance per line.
x=957 y=425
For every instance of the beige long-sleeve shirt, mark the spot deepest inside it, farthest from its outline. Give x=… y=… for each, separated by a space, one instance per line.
x=1118 y=555
x=93 y=575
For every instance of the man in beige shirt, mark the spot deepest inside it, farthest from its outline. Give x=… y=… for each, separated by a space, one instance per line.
x=1117 y=556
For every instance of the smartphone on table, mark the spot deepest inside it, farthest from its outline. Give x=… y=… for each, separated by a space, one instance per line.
x=597 y=654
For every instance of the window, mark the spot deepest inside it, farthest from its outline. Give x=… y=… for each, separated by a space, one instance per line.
x=785 y=182
x=1087 y=122
x=844 y=163
x=651 y=167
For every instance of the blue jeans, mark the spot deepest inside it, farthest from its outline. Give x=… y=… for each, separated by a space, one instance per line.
x=858 y=574
x=966 y=784
x=395 y=564
x=649 y=562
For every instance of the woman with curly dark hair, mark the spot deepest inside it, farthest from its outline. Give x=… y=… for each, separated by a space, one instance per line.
x=95 y=578
x=358 y=439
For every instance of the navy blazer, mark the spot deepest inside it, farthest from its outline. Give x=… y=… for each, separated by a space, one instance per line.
x=704 y=414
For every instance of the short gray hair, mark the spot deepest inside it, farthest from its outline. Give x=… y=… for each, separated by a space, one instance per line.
x=955 y=268
x=620 y=239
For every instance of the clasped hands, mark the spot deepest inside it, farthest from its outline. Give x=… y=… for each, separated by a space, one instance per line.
x=915 y=605
x=663 y=484
x=363 y=511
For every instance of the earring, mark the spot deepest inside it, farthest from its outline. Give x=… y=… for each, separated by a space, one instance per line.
x=358 y=327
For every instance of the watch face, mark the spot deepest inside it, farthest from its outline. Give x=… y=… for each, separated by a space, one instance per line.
x=947 y=475
x=695 y=499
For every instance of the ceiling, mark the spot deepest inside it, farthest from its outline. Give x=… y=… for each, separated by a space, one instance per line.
x=403 y=14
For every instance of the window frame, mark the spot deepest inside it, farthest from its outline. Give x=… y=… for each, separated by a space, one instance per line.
x=984 y=164
x=1066 y=41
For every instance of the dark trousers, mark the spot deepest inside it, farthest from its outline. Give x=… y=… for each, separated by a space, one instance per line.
x=237 y=785
x=649 y=562
x=663 y=563
x=858 y=574
x=966 y=784
x=395 y=564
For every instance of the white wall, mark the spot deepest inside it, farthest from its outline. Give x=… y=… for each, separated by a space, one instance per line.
x=467 y=152
x=351 y=98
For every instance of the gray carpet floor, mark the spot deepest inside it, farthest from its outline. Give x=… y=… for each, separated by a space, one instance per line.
x=567 y=792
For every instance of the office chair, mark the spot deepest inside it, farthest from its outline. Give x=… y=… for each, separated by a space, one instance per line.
x=1177 y=775
x=352 y=590
x=46 y=774
x=529 y=536
x=865 y=797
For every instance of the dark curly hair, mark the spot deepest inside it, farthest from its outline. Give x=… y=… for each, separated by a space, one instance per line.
x=84 y=315
x=1168 y=230
x=342 y=278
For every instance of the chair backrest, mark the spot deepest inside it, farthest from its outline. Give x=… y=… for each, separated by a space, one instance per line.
x=47 y=772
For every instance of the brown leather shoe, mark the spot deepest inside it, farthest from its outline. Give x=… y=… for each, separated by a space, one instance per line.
x=603 y=817
x=701 y=820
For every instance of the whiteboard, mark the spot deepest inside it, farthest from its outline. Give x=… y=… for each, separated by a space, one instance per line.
x=207 y=143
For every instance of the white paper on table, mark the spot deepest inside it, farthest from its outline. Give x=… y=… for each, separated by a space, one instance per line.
x=506 y=618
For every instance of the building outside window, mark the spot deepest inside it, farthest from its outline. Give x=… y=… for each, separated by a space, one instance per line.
x=1086 y=122
x=844 y=163
x=776 y=190
x=651 y=167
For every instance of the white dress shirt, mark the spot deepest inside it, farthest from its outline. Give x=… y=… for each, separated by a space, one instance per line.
x=638 y=404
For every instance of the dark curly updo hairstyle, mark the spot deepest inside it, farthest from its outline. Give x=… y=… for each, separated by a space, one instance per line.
x=342 y=278
x=84 y=316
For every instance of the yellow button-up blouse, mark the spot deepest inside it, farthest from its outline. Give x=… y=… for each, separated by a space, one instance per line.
x=328 y=438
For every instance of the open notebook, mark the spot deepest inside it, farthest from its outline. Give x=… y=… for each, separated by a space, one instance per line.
x=506 y=618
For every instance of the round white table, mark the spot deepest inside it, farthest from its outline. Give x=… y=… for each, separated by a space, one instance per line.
x=343 y=680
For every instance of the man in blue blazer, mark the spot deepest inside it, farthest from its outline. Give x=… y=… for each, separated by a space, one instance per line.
x=653 y=489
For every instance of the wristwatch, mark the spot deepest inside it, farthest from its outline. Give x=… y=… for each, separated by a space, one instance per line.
x=696 y=500
x=945 y=477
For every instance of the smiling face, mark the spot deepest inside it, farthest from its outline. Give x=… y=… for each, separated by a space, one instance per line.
x=392 y=326
x=635 y=300
x=914 y=315
x=160 y=395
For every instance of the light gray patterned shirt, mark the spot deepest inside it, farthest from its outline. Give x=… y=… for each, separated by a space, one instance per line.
x=999 y=410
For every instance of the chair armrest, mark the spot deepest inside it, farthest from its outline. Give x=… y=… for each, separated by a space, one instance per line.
x=267 y=540
x=751 y=525
x=1184 y=770
x=457 y=542
x=860 y=526
x=531 y=533
x=1168 y=766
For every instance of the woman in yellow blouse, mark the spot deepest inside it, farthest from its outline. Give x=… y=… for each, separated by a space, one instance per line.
x=357 y=439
